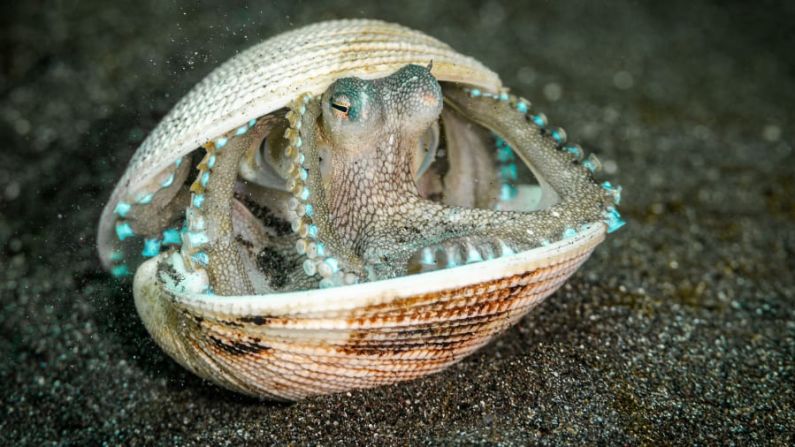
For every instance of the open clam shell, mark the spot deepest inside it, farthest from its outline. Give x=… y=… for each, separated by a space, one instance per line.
x=293 y=345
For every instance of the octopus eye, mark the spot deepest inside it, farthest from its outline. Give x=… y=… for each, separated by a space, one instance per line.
x=341 y=105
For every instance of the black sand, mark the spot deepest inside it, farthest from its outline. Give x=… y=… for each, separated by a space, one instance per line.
x=680 y=329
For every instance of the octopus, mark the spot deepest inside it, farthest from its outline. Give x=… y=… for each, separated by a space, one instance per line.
x=356 y=176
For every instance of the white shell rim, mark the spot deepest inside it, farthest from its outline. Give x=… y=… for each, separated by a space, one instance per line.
x=380 y=292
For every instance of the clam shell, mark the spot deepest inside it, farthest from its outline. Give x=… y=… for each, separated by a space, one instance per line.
x=293 y=345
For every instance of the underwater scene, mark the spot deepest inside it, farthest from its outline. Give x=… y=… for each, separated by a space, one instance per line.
x=329 y=222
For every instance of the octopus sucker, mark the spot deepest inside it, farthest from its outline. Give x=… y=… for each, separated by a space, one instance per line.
x=424 y=195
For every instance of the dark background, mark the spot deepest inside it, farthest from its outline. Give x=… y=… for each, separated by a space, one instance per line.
x=680 y=329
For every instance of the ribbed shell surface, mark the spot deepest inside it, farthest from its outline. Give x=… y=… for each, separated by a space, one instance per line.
x=293 y=345
x=267 y=76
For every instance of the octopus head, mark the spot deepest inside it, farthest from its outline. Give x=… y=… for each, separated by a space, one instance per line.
x=407 y=102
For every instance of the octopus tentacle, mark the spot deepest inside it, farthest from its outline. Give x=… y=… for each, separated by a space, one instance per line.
x=558 y=165
x=152 y=213
x=209 y=245
x=310 y=205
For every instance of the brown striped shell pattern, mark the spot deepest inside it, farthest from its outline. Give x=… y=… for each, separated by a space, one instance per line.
x=347 y=205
